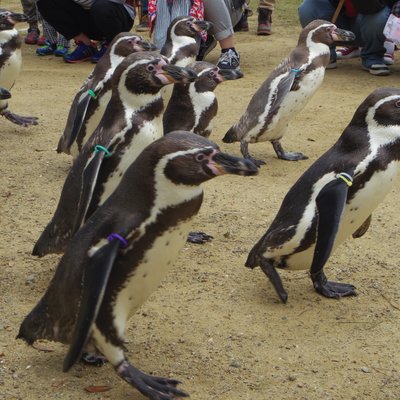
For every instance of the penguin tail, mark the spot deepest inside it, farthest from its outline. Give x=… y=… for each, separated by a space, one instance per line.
x=231 y=135
x=62 y=147
x=48 y=243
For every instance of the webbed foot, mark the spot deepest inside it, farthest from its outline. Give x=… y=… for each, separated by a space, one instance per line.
x=199 y=237
x=332 y=289
x=94 y=359
x=154 y=388
x=244 y=148
x=20 y=120
x=286 y=155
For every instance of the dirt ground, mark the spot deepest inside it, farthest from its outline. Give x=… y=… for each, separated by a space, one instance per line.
x=213 y=324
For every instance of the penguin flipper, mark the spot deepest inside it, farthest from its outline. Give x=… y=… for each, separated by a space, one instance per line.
x=363 y=228
x=330 y=204
x=96 y=275
x=80 y=114
x=89 y=180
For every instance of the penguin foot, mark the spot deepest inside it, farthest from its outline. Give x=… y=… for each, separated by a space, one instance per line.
x=20 y=120
x=244 y=148
x=286 y=155
x=199 y=237
x=332 y=289
x=94 y=359
x=154 y=388
x=274 y=277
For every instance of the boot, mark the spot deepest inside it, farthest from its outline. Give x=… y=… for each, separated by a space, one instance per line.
x=264 y=22
x=243 y=24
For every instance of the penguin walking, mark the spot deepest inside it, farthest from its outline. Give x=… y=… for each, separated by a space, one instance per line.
x=335 y=197
x=89 y=103
x=120 y=255
x=10 y=63
x=193 y=105
x=287 y=90
x=132 y=120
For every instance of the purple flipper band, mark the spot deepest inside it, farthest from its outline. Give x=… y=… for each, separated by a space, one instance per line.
x=113 y=236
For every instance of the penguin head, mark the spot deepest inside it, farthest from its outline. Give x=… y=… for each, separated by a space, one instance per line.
x=126 y=43
x=209 y=75
x=187 y=27
x=8 y=19
x=325 y=32
x=190 y=159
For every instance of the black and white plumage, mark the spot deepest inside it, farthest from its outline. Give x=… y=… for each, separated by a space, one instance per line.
x=335 y=197
x=287 y=90
x=193 y=106
x=131 y=121
x=89 y=103
x=10 y=63
x=102 y=280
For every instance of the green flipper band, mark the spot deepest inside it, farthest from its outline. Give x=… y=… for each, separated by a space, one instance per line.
x=345 y=177
x=99 y=148
x=91 y=93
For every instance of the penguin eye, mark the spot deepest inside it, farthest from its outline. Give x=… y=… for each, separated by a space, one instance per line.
x=200 y=157
x=397 y=104
x=212 y=74
x=150 y=68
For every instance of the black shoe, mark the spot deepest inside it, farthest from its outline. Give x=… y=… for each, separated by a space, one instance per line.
x=206 y=47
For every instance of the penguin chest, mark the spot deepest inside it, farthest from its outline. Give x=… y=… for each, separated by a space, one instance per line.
x=293 y=103
x=202 y=108
x=146 y=277
x=10 y=69
x=94 y=119
x=129 y=150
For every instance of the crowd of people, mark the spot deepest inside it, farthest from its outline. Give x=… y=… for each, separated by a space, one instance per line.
x=92 y=24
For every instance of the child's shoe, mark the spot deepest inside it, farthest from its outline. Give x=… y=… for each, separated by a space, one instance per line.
x=99 y=53
x=61 y=51
x=46 y=50
x=82 y=52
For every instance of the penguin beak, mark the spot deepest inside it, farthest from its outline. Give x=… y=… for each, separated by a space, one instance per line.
x=223 y=163
x=4 y=94
x=341 y=35
x=200 y=26
x=15 y=17
x=228 y=74
x=175 y=74
x=143 y=45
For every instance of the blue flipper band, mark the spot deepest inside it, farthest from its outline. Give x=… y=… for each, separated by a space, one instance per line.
x=113 y=236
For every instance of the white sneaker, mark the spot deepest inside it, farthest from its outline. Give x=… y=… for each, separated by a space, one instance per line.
x=344 y=53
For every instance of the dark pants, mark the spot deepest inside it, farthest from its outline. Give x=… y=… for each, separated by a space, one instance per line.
x=102 y=22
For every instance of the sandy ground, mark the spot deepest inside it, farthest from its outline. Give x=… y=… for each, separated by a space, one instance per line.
x=213 y=324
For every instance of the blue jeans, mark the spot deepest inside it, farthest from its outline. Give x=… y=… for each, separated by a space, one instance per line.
x=367 y=28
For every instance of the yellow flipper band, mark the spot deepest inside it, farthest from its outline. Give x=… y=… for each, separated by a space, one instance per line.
x=345 y=177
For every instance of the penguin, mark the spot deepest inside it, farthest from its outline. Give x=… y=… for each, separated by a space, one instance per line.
x=193 y=105
x=131 y=121
x=4 y=94
x=180 y=48
x=10 y=63
x=93 y=96
x=335 y=197
x=120 y=255
x=286 y=91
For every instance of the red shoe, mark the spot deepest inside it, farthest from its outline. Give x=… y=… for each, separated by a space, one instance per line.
x=344 y=53
x=41 y=41
x=33 y=36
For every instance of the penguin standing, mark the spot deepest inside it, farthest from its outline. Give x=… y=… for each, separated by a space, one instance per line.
x=131 y=121
x=335 y=197
x=193 y=105
x=120 y=255
x=10 y=63
x=89 y=103
x=287 y=90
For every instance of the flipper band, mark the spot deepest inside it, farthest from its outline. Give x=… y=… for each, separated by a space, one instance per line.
x=91 y=93
x=113 y=236
x=345 y=177
x=99 y=148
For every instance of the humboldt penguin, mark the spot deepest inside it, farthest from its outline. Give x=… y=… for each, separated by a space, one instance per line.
x=10 y=63
x=335 y=197
x=120 y=255
x=193 y=105
x=131 y=121
x=89 y=103
x=287 y=90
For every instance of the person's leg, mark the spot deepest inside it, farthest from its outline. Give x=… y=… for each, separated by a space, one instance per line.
x=30 y=10
x=309 y=10
x=369 y=32
x=265 y=8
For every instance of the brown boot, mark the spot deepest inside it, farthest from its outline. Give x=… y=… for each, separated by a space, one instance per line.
x=264 y=22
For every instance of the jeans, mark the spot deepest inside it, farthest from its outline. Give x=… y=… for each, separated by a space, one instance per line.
x=367 y=28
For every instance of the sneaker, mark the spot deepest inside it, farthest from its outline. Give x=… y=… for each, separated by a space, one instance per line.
x=46 y=50
x=206 y=47
x=41 y=41
x=377 y=69
x=229 y=60
x=344 y=53
x=388 y=58
x=99 y=53
x=81 y=53
x=332 y=65
x=61 y=51
x=33 y=36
